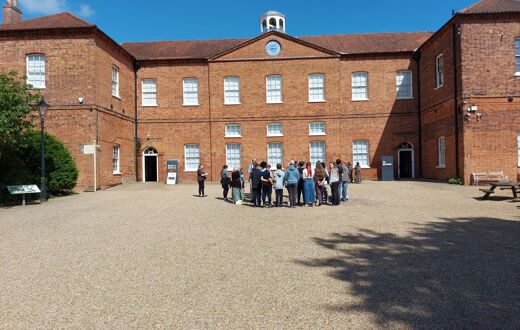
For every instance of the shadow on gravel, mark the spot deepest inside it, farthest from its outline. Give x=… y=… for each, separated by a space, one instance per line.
x=456 y=273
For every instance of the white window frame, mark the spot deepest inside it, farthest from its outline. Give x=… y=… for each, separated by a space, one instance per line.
x=231 y=90
x=149 y=91
x=356 y=154
x=35 y=68
x=312 y=159
x=316 y=87
x=517 y=56
x=232 y=164
x=115 y=81
x=313 y=128
x=269 y=132
x=191 y=152
x=439 y=71
x=356 y=86
x=271 y=90
x=399 y=84
x=230 y=131
x=190 y=96
x=518 y=140
x=116 y=156
x=441 y=152
x=275 y=149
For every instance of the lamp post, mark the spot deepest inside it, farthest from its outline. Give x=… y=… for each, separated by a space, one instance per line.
x=42 y=110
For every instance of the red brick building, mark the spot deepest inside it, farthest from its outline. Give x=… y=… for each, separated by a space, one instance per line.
x=443 y=104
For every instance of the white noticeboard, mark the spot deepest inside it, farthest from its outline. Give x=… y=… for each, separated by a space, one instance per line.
x=88 y=149
x=91 y=149
x=172 y=178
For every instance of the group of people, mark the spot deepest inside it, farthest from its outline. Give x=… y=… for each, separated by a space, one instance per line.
x=302 y=181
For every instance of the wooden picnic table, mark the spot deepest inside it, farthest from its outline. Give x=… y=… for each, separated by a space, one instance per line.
x=514 y=186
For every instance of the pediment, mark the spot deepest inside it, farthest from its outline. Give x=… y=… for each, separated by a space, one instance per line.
x=290 y=48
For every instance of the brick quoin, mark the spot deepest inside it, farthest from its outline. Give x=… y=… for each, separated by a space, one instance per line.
x=479 y=70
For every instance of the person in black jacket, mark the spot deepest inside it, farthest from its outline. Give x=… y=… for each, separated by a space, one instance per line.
x=201 y=177
x=224 y=181
x=267 y=185
x=301 y=165
x=256 y=186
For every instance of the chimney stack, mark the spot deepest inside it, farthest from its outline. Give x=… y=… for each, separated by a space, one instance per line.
x=12 y=14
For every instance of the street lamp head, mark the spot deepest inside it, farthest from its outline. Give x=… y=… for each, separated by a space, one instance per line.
x=42 y=107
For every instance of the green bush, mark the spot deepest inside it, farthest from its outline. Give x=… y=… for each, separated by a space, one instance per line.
x=458 y=181
x=21 y=165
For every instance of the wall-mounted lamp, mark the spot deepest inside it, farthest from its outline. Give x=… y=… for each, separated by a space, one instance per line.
x=479 y=116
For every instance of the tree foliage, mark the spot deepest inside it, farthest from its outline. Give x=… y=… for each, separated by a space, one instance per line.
x=18 y=103
x=20 y=164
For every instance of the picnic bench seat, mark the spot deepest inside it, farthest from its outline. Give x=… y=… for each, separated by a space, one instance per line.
x=486 y=177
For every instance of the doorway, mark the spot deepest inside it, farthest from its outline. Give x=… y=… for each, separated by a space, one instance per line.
x=150 y=165
x=405 y=159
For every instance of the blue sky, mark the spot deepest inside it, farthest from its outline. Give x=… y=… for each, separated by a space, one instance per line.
x=148 y=20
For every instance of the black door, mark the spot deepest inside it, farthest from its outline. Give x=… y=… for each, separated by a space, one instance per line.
x=405 y=164
x=150 y=168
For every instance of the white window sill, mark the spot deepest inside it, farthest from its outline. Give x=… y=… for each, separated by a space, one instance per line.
x=441 y=166
x=405 y=98
x=149 y=105
x=360 y=100
x=365 y=166
x=190 y=171
x=191 y=105
x=233 y=136
x=317 y=134
x=316 y=101
x=117 y=97
x=38 y=88
x=274 y=135
x=436 y=88
x=278 y=102
x=116 y=173
x=237 y=103
x=517 y=74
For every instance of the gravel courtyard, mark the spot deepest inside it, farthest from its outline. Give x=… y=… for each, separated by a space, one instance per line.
x=398 y=255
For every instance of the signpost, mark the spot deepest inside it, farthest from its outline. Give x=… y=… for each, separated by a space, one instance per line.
x=387 y=170
x=23 y=190
x=91 y=149
x=172 y=169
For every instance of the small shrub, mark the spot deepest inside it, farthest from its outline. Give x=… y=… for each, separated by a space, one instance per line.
x=457 y=181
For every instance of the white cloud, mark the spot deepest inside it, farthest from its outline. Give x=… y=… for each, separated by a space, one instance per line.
x=48 y=7
x=86 y=11
x=45 y=7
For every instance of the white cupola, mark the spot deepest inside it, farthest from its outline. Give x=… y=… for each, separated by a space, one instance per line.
x=272 y=21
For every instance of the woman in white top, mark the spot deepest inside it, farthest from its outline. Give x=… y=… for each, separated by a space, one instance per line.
x=334 y=183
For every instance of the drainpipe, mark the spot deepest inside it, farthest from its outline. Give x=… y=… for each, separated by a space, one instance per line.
x=456 y=95
x=210 y=126
x=137 y=66
x=417 y=58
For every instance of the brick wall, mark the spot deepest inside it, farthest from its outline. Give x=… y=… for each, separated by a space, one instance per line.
x=488 y=67
x=384 y=121
x=78 y=64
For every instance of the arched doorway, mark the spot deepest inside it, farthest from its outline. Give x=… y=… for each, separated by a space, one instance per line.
x=150 y=165
x=405 y=160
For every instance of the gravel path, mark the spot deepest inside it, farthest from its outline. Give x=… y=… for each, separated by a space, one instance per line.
x=399 y=255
